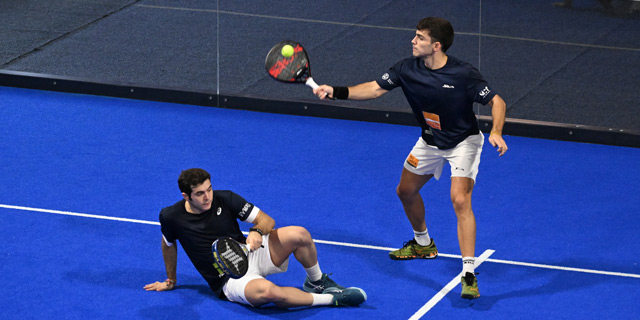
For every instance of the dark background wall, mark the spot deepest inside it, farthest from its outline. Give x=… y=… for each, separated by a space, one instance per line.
x=578 y=66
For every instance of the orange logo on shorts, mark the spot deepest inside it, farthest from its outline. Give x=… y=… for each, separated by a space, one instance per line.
x=413 y=161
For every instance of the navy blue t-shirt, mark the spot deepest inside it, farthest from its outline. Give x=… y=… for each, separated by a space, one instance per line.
x=441 y=99
x=196 y=232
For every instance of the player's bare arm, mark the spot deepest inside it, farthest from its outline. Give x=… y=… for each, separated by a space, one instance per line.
x=263 y=224
x=498 y=114
x=170 y=256
x=363 y=91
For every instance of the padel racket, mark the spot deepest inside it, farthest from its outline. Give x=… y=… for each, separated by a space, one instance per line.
x=230 y=257
x=293 y=69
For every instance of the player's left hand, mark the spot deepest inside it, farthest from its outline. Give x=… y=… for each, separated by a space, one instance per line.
x=497 y=142
x=254 y=241
x=160 y=286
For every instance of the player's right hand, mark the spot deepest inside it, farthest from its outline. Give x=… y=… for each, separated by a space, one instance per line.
x=254 y=241
x=323 y=91
x=497 y=141
x=160 y=286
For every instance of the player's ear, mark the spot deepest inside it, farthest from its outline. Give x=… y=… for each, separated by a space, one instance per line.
x=437 y=46
x=185 y=196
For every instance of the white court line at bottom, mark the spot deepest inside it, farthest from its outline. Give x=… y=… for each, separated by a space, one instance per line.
x=452 y=284
x=363 y=246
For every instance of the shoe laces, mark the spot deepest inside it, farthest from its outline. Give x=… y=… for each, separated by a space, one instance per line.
x=321 y=284
x=408 y=243
x=334 y=291
x=469 y=277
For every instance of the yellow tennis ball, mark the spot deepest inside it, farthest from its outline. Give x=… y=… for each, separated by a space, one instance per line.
x=287 y=51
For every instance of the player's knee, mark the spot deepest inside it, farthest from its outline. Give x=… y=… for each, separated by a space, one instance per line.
x=405 y=193
x=461 y=202
x=301 y=235
x=272 y=294
x=262 y=294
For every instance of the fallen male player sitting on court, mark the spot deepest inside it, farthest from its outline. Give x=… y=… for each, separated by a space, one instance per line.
x=204 y=216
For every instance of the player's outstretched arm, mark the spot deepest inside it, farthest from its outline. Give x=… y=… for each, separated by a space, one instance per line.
x=498 y=114
x=366 y=91
x=363 y=91
x=170 y=256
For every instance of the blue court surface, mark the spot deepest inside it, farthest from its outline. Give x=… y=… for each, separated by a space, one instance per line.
x=84 y=178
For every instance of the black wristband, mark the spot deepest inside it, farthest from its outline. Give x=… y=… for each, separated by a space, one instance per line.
x=256 y=230
x=341 y=93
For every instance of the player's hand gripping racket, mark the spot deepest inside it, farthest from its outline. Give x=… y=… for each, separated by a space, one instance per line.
x=231 y=257
x=292 y=69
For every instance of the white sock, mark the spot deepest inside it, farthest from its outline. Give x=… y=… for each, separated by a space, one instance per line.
x=422 y=237
x=468 y=265
x=324 y=299
x=314 y=273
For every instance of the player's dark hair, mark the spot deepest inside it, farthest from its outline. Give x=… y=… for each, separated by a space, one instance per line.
x=440 y=30
x=191 y=178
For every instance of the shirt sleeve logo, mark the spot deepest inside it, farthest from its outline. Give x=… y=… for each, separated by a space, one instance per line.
x=245 y=210
x=385 y=77
x=484 y=92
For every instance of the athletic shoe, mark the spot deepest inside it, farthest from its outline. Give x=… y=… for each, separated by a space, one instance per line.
x=411 y=250
x=351 y=296
x=469 y=286
x=321 y=285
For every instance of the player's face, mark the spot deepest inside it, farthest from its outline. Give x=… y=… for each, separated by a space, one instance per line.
x=422 y=45
x=201 y=197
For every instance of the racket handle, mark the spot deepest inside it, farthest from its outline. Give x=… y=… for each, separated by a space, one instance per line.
x=311 y=83
x=314 y=85
x=248 y=247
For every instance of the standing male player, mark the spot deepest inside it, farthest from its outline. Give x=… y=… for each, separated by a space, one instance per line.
x=204 y=215
x=441 y=90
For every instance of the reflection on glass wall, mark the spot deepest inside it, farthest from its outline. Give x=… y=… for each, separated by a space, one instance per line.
x=559 y=61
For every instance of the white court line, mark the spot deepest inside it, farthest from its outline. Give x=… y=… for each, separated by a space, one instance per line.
x=452 y=284
x=344 y=244
x=546 y=266
x=67 y=213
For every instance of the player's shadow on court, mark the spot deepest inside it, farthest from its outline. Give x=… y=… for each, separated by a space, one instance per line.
x=528 y=283
x=131 y=278
x=191 y=292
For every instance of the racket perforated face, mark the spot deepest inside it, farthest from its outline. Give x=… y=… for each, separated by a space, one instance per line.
x=231 y=257
x=288 y=69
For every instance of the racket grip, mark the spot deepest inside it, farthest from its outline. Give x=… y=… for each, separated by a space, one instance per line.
x=311 y=83
x=248 y=247
x=314 y=85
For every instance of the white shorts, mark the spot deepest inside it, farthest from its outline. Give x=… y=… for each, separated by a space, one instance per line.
x=260 y=266
x=464 y=159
